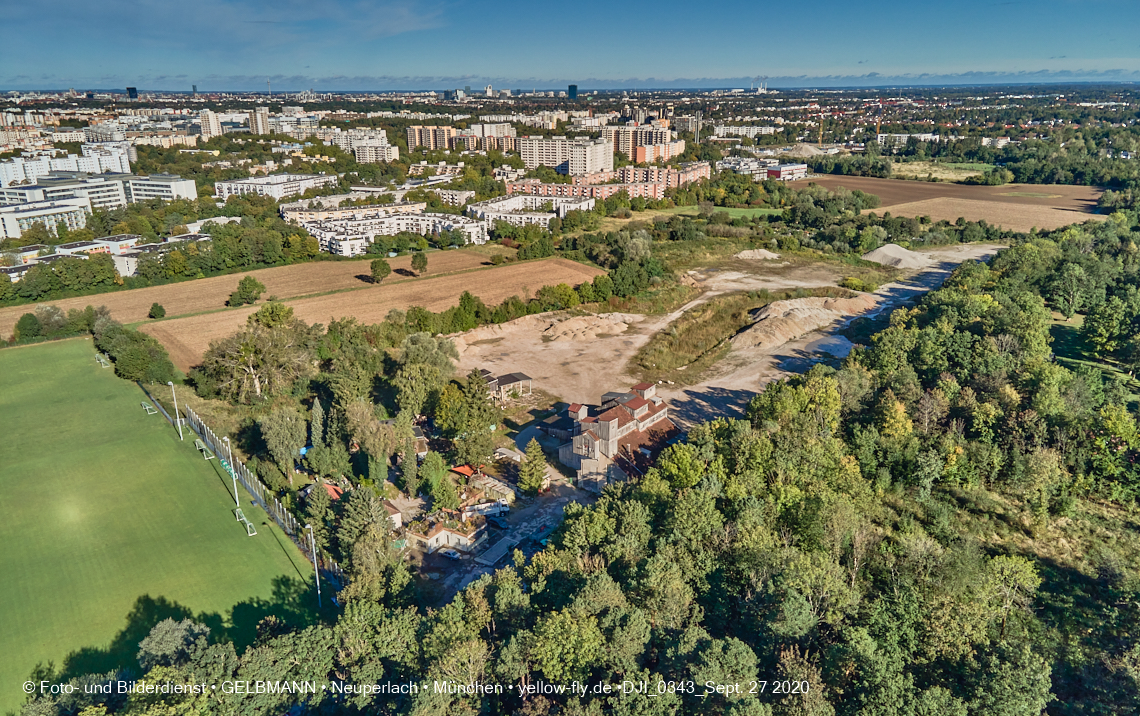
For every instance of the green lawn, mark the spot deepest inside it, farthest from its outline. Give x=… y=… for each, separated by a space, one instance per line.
x=111 y=524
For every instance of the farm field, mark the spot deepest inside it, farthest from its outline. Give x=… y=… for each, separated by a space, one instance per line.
x=1019 y=207
x=208 y=294
x=188 y=338
x=111 y=525
x=946 y=171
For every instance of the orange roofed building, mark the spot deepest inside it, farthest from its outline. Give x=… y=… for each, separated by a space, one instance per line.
x=621 y=436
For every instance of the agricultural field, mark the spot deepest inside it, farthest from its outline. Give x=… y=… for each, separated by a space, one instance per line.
x=209 y=294
x=1019 y=207
x=188 y=338
x=940 y=171
x=111 y=525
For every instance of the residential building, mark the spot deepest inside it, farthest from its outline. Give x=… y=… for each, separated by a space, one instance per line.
x=621 y=436
x=444 y=530
x=374 y=152
x=105 y=191
x=722 y=130
x=211 y=125
x=259 y=121
x=575 y=157
x=440 y=169
x=524 y=209
x=96 y=159
x=430 y=137
x=18 y=218
x=354 y=229
x=647 y=190
x=625 y=138
x=277 y=186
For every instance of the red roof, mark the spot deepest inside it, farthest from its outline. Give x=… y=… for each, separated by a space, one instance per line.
x=575 y=407
x=464 y=470
x=642 y=386
x=334 y=491
x=636 y=403
x=620 y=414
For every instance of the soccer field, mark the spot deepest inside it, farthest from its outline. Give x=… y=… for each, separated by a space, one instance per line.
x=110 y=524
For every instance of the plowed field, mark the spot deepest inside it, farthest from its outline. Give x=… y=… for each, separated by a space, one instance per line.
x=188 y=338
x=208 y=294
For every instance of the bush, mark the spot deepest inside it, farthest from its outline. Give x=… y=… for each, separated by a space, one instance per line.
x=28 y=327
x=249 y=290
x=157 y=311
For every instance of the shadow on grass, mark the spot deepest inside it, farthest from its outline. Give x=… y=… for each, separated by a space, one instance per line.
x=293 y=602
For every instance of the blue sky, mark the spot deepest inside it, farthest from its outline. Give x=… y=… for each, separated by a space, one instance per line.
x=436 y=44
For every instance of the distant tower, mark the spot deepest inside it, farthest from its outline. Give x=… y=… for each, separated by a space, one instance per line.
x=269 y=87
x=194 y=90
x=132 y=93
x=573 y=92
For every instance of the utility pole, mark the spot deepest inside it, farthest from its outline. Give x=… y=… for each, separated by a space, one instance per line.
x=316 y=573
x=177 y=419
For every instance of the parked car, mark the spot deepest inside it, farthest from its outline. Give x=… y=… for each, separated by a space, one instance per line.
x=450 y=554
x=498 y=523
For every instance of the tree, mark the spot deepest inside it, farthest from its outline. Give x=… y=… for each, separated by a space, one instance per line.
x=1010 y=582
x=257 y=362
x=1069 y=288
x=409 y=467
x=380 y=270
x=433 y=469
x=283 y=431
x=444 y=496
x=419 y=262
x=156 y=311
x=249 y=289
x=475 y=442
x=317 y=423
x=532 y=472
x=28 y=327
x=319 y=514
x=170 y=643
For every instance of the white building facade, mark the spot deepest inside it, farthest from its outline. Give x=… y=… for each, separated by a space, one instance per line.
x=18 y=218
x=277 y=186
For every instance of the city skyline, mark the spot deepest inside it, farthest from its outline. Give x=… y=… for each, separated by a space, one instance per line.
x=425 y=44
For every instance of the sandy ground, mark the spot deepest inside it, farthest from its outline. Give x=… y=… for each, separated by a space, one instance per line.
x=209 y=294
x=188 y=338
x=581 y=370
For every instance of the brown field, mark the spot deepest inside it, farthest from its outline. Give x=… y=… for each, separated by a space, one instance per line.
x=1012 y=216
x=188 y=338
x=209 y=294
x=1019 y=207
x=901 y=191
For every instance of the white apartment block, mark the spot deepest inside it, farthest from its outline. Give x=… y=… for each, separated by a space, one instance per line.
x=352 y=236
x=277 y=186
x=523 y=209
x=211 y=125
x=18 y=218
x=374 y=152
x=567 y=156
x=259 y=121
x=96 y=159
x=723 y=130
x=104 y=191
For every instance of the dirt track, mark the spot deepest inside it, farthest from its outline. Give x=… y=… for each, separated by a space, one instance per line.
x=188 y=338
x=208 y=294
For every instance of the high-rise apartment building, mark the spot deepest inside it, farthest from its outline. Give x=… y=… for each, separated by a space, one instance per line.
x=373 y=151
x=626 y=139
x=567 y=156
x=259 y=121
x=430 y=137
x=211 y=126
x=573 y=92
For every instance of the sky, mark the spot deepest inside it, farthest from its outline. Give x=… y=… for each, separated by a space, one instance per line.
x=222 y=45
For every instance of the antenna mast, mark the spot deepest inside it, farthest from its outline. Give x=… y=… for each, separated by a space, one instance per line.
x=269 y=87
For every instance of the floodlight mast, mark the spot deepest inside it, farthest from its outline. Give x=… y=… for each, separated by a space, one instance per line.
x=316 y=572
x=233 y=472
x=177 y=419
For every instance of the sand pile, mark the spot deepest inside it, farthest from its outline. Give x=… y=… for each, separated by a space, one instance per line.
x=897 y=256
x=803 y=150
x=783 y=321
x=761 y=254
x=585 y=328
x=537 y=324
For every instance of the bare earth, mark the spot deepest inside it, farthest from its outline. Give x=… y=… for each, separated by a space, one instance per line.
x=210 y=294
x=188 y=338
x=1015 y=217
x=892 y=192
x=580 y=370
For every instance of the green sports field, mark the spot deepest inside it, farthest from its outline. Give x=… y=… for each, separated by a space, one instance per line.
x=110 y=524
